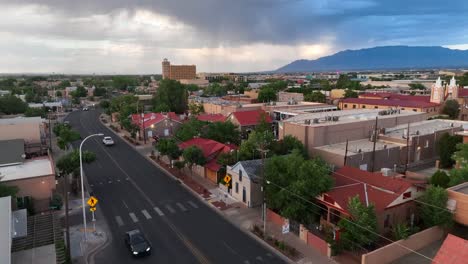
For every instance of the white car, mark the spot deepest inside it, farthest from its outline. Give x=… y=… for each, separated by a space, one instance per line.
x=108 y=141
x=85 y=108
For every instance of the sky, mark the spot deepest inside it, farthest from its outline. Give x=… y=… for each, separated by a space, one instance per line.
x=134 y=36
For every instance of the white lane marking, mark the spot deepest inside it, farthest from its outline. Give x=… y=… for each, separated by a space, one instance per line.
x=146 y=214
x=170 y=209
x=160 y=213
x=119 y=220
x=118 y=180
x=134 y=218
x=125 y=204
x=269 y=255
x=246 y=262
x=259 y=258
x=110 y=181
x=194 y=205
x=181 y=207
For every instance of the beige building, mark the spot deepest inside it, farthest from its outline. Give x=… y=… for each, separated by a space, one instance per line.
x=290 y=97
x=458 y=202
x=178 y=72
x=32 y=129
x=324 y=128
x=246 y=182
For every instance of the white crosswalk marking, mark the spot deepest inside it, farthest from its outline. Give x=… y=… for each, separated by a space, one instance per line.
x=160 y=213
x=194 y=205
x=181 y=207
x=119 y=220
x=146 y=214
x=170 y=209
x=259 y=258
x=134 y=218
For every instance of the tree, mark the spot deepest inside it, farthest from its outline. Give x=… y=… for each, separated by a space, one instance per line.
x=124 y=82
x=451 y=108
x=98 y=91
x=10 y=105
x=104 y=104
x=58 y=93
x=171 y=95
x=215 y=89
x=227 y=158
x=350 y=94
x=401 y=231
x=71 y=161
x=266 y=94
x=65 y=135
x=224 y=132
x=80 y=92
x=190 y=129
x=461 y=155
x=315 y=97
x=440 y=179
x=195 y=108
x=169 y=148
x=64 y=84
x=433 y=207
x=287 y=145
x=458 y=176
x=193 y=155
x=447 y=146
x=30 y=112
x=292 y=174
x=417 y=86
x=360 y=229
x=6 y=190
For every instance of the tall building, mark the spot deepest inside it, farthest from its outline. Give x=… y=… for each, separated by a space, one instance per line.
x=178 y=72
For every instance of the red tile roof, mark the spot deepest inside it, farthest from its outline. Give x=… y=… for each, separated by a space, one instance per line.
x=384 y=95
x=154 y=118
x=462 y=92
x=209 y=147
x=211 y=117
x=454 y=250
x=381 y=190
x=250 y=118
x=390 y=102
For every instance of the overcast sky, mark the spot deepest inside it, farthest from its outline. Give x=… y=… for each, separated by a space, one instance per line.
x=133 y=36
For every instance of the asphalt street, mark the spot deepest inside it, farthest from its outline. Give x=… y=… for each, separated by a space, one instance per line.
x=133 y=193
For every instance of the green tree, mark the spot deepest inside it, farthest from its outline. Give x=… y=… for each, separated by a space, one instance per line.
x=461 y=155
x=124 y=82
x=195 y=108
x=70 y=162
x=10 y=105
x=417 y=86
x=227 y=158
x=224 y=132
x=361 y=228
x=433 y=207
x=171 y=95
x=266 y=94
x=401 y=231
x=451 y=108
x=287 y=145
x=304 y=178
x=64 y=84
x=169 y=148
x=192 y=87
x=215 y=89
x=315 y=97
x=190 y=129
x=6 y=190
x=58 y=93
x=98 y=91
x=30 y=112
x=80 y=92
x=104 y=104
x=440 y=179
x=447 y=146
x=193 y=155
x=350 y=94
x=65 y=135
x=458 y=176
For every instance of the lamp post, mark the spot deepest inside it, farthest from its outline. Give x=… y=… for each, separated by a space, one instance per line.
x=82 y=185
x=50 y=131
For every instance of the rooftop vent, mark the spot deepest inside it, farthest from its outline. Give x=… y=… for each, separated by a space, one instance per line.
x=316 y=120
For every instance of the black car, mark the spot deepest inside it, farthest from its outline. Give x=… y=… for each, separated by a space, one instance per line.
x=137 y=243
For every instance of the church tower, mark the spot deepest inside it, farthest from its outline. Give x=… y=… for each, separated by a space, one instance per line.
x=437 y=92
x=453 y=88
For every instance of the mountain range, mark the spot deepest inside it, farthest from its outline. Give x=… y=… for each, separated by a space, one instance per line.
x=384 y=57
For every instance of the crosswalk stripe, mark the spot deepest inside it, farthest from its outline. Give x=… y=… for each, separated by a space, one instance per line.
x=134 y=218
x=194 y=205
x=119 y=220
x=160 y=213
x=181 y=207
x=259 y=258
x=170 y=209
x=146 y=214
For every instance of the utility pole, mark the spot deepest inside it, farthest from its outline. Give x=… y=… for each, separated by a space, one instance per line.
x=67 y=226
x=407 y=148
x=346 y=153
x=374 y=139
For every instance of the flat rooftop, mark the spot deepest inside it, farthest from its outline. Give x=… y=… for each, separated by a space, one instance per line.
x=460 y=188
x=347 y=116
x=426 y=127
x=5 y=229
x=28 y=169
x=21 y=120
x=365 y=145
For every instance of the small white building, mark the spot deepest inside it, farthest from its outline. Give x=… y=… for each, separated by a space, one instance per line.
x=247 y=182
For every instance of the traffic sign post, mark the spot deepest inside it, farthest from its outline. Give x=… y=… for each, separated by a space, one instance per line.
x=92 y=201
x=227 y=180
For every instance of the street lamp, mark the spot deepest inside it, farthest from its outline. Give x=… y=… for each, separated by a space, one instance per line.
x=50 y=131
x=82 y=185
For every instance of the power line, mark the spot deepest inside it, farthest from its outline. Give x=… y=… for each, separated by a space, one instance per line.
x=345 y=219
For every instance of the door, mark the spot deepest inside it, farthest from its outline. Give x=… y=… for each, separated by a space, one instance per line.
x=244 y=195
x=166 y=132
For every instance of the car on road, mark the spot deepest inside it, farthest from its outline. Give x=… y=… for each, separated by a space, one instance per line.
x=137 y=243
x=85 y=108
x=108 y=141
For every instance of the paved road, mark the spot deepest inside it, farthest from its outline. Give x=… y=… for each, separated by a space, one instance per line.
x=133 y=193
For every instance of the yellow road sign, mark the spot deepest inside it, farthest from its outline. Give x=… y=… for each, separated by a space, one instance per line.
x=92 y=201
x=92 y=209
x=227 y=178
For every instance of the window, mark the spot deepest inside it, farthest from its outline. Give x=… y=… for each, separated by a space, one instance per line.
x=240 y=175
x=376 y=107
x=354 y=106
x=345 y=105
x=407 y=195
x=363 y=106
x=415 y=110
x=403 y=109
x=237 y=187
x=387 y=221
x=427 y=144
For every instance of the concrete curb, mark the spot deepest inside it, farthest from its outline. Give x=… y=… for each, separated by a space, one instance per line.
x=108 y=239
x=210 y=205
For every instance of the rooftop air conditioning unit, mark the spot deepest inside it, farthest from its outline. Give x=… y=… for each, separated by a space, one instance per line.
x=336 y=118
x=316 y=121
x=386 y=171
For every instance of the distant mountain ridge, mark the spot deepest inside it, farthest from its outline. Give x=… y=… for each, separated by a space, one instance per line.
x=384 y=57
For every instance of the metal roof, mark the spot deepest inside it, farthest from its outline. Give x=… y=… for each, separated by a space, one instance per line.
x=11 y=152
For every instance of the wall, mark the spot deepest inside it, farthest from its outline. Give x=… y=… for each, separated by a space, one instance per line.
x=254 y=196
x=346 y=106
x=275 y=218
x=285 y=97
x=30 y=132
x=461 y=209
x=252 y=93
x=39 y=188
x=394 y=251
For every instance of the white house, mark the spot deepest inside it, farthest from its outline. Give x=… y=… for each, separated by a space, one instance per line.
x=247 y=182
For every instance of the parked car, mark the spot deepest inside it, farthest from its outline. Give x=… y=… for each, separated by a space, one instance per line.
x=137 y=243
x=85 y=108
x=108 y=141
